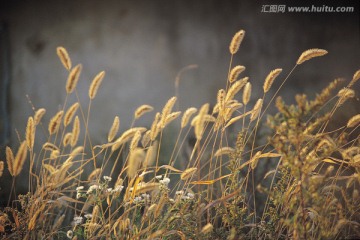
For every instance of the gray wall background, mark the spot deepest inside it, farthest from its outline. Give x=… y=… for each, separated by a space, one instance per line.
x=143 y=44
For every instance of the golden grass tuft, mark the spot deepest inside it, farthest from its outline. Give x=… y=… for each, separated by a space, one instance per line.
x=309 y=54
x=142 y=110
x=55 y=122
x=126 y=136
x=136 y=157
x=354 y=121
x=200 y=123
x=30 y=133
x=135 y=140
x=187 y=115
x=64 y=57
x=167 y=110
x=75 y=132
x=270 y=79
x=20 y=158
x=114 y=129
x=247 y=93
x=67 y=139
x=73 y=78
x=224 y=151
x=236 y=41
x=151 y=154
x=38 y=115
x=235 y=72
x=50 y=147
x=95 y=84
x=154 y=130
x=345 y=94
x=188 y=173
x=235 y=88
x=10 y=160
x=355 y=78
x=256 y=110
x=70 y=113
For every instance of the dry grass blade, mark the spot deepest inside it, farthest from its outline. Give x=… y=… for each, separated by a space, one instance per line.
x=30 y=133
x=114 y=129
x=38 y=115
x=309 y=54
x=235 y=72
x=70 y=113
x=187 y=173
x=20 y=159
x=95 y=84
x=55 y=122
x=236 y=41
x=73 y=78
x=142 y=110
x=270 y=79
x=354 y=121
x=64 y=57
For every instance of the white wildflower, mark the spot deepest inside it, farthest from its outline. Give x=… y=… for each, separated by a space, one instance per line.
x=191 y=195
x=78 y=220
x=78 y=195
x=117 y=189
x=79 y=188
x=70 y=234
x=88 y=215
x=107 y=178
x=179 y=192
x=158 y=177
x=92 y=188
x=165 y=181
x=137 y=200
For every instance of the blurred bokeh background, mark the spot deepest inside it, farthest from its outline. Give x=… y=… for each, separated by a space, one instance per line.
x=142 y=45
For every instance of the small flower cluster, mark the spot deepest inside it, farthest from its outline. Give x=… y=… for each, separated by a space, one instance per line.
x=93 y=189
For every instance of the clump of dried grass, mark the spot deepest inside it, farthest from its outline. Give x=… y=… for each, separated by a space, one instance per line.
x=213 y=193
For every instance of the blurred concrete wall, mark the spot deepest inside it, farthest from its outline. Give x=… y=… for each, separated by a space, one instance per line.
x=143 y=44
